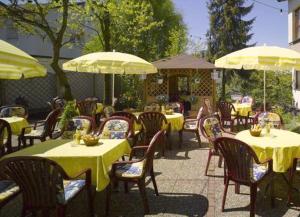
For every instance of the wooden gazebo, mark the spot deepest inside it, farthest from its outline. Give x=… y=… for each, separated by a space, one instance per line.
x=184 y=77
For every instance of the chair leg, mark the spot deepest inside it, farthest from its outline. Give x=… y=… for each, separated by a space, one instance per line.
x=90 y=200
x=108 y=197
x=237 y=188
x=142 y=188
x=225 y=193
x=31 y=142
x=180 y=138
x=154 y=182
x=126 y=187
x=198 y=138
x=208 y=161
x=225 y=175
x=291 y=177
x=220 y=161
x=61 y=211
x=253 y=192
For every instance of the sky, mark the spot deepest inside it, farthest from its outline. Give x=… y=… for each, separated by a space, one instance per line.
x=270 y=26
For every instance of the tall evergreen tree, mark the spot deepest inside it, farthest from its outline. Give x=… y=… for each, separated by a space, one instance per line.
x=229 y=30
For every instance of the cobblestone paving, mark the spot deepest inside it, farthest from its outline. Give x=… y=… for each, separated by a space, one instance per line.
x=184 y=191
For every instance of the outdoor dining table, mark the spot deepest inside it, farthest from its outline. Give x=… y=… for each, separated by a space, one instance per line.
x=175 y=120
x=242 y=108
x=74 y=158
x=281 y=146
x=16 y=124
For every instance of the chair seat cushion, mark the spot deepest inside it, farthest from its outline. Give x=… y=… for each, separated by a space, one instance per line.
x=7 y=189
x=133 y=170
x=34 y=133
x=190 y=124
x=258 y=171
x=72 y=187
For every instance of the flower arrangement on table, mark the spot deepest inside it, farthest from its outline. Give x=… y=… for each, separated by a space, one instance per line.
x=69 y=112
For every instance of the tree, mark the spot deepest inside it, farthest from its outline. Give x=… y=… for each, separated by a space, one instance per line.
x=53 y=21
x=228 y=30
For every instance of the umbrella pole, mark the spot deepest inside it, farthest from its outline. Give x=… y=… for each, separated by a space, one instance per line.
x=113 y=89
x=264 y=90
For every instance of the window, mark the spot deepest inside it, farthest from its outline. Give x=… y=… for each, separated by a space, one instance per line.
x=297 y=24
x=297 y=85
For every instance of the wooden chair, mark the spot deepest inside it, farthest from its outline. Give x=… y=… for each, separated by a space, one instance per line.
x=152 y=123
x=45 y=185
x=87 y=108
x=9 y=111
x=8 y=189
x=136 y=170
x=243 y=167
x=116 y=127
x=47 y=129
x=212 y=129
x=226 y=109
x=85 y=123
x=57 y=103
x=134 y=121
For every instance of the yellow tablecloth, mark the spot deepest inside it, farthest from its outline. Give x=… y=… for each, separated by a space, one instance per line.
x=16 y=124
x=281 y=145
x=74 y=158
x=242 y=108
x=176 y=121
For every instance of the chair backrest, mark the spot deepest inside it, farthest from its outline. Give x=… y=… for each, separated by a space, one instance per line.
x=239 y=158
x=149 y=155
x=247 y=99
x=9 y=111
x=57 y=103
x=116 y=127
x=128 y=115
x=225 y=109
x=85 y=123
x=5 y=138
x=211 y=127
x=39 y=179
x=87 y=108
x=51 y=122
x=108 y=111
x=93 y=99
x=273 y=118
x=152 y=122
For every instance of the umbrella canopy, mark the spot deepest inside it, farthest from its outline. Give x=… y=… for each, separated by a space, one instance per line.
x=264 y=58
x=268 y=58
x=15 y=63
x=110 y=63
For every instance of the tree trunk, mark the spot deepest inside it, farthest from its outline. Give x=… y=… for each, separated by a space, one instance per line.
x=63 y=81
x=223 y=85
x=107 y=47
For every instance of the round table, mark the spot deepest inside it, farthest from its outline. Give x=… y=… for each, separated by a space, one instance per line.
x=281 y=145
x=176 y=121
x=16 y=124
x=242 y=108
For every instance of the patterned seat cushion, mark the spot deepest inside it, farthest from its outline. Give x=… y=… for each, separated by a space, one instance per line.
x=108 y=111
x=34 y=133
x=7 y=189
x=212 y=128
x=71 y=187
x=115 y=129
x=133 y=170
x=76 y=123
x=190 y=124
x=258 y=171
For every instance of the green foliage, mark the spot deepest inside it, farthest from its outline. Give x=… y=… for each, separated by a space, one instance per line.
x=70 y=111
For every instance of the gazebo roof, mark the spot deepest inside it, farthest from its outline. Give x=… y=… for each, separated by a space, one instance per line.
x=183 y=61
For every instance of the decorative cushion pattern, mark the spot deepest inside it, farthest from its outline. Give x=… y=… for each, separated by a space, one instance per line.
x=115 y=129
x=212 y=128
x=190 y=124
x=133 y=170
x=247 y=99
x=76 y=123
x=7 y=189
x=71 y=187
x=258 y=171
x=108 y=111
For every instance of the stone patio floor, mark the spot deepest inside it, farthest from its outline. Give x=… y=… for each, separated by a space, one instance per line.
x=184 y=191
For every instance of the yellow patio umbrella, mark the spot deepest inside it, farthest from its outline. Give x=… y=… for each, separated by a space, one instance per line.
x=16 y=64
x=110 y=63
x=264 y=58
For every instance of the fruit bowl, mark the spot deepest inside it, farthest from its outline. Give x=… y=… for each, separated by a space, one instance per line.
x=90 y=140
x=255 y=133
